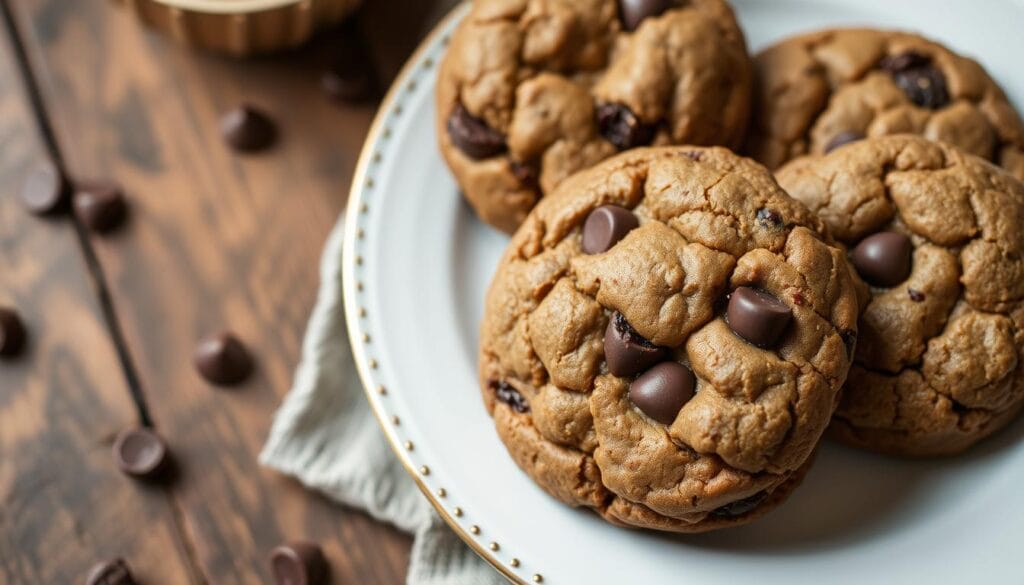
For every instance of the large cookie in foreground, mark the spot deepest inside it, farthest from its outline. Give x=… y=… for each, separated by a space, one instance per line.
x=665 y=338
x=531 y=91
x=937 y=234
x=818 y=91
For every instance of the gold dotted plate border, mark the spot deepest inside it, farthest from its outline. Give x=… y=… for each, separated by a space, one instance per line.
x=418 y=69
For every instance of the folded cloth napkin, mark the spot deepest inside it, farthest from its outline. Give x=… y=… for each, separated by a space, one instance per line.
x=325 y=435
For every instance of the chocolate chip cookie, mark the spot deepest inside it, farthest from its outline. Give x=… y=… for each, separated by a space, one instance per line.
x=531 y=91
x=936 y=235
x=819 y=91
x=665 y=338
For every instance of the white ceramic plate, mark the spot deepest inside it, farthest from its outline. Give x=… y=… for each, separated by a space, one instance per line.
x=417 y=264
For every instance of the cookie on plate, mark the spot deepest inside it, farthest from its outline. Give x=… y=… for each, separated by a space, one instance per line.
x=531 y=91
x=665 y=338
x=937 y=235
x=816 y=92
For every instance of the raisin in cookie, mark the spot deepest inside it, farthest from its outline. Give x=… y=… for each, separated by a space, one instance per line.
x=818 y=91
x=937 y=234
x=665 y=338
x=530 y=91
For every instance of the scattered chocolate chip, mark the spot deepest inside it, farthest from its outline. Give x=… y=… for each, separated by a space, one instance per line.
x=620 y=126
x=769 y=218
x=504 y=392
x=100 y=206
x=140 y=453
x=883 y=259
x=740 y=507
x=350 y=78
x=627 y=352
x=44 y=190
x=473 y=136
x=915 y=295
x=915 y=74
x=849 y=340
x=12 y=332
x=247 y=129
x=299 y=563
x=222 y=359
x=661 y=391
x=757 y=316
x=525 y=173
x=605 y=226
x=110 y=572
x=843 y=138
x=633 y=12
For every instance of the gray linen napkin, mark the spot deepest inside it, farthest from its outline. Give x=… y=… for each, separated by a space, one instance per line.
x=325 y=435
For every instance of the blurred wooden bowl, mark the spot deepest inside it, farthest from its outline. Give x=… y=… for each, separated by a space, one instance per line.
x=240 y=27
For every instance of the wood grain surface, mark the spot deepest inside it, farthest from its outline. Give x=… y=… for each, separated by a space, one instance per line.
x=214 y=240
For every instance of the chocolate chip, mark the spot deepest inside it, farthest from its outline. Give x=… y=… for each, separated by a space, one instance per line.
x=140 y=453
x=44 y=190
x=849 y=341
x=299 y=563
x=662 y=390
x=525 y=173
x=843 y=138
x=620 y=126
x=110 y=572
x=247 y=129
x=100 y=206
x=740 y=507
x=347 y=85
x=473 y=136
x=757 y=316
x=504 y=392
x=12 y=332
x=633 y=12
x=605 y=226
x=222 y=359
x=769 y=218
x=915 y=295
x=883 y=259
x=627 y=352
x=915 y=74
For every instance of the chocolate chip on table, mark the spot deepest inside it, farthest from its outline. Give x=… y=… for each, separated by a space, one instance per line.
x=661 y=391
x=757 y=316
x=740 y=507
x=110 y=572
x=919 y=78
x=605 y=226
x=222 y=359
x=915 y=295
x=348 y=81
x=45 y=190
x=473 y=136
x=842 y=139
x=633 y=12
x=299 y=563
x=140 y=453
x=504 y=392
x=883 y=259
x=12 y=332
x=627 y=352
x=620 y=126
x=100 y=207
x=247 y=129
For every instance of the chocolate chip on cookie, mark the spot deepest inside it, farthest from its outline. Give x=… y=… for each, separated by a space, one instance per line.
x=883 y=259
x=757 y=316
x=626 y=351
x=622 y=127
x=769 y=218
x=633 y=12
x=914 y=73
x=504 y=392
x=740 y=507
x=843 y=138
x=473 y=136
x=661 y=391
x=605 y=226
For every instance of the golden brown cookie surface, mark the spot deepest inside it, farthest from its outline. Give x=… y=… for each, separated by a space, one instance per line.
x=530 y=91
x=817 y=91
x=938 y=365
x=611 y=355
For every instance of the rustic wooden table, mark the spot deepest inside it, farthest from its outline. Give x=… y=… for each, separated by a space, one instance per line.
x=214 y=241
